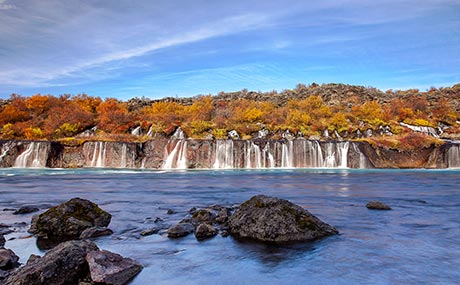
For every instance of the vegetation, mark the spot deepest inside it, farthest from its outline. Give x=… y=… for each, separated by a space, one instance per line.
x=305 y=110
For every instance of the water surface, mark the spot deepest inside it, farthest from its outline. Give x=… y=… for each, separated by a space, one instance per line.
x=417 y=242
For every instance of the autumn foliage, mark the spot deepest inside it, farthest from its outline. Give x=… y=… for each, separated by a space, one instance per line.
x=306 y=112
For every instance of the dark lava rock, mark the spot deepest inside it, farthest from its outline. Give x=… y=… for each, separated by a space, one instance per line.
x=69 y=219
x=8 y=260
x=111 y=268
x=204 y=231
x=222 y=216
x=271 y=219
x=180 y=230
x=149 y=232
x=62 y=265
x=33 y=258
x=203 y=216
x=96 y=232
x=26 y=210
x=2 y=240
x=376 y=205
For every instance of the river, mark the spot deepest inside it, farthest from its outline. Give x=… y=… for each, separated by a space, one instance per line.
x=415 y=243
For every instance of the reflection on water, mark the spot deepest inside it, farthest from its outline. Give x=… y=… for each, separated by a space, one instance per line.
x=414 y=243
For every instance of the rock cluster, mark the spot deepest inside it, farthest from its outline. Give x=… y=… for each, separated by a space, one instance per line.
x=72 y=261
x=262 y=218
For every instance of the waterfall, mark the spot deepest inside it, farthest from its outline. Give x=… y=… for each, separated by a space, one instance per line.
x=453 y=156
x=330 y=161
x=124 y=154
x=253 y=156
x=99 y=154
x=35 y=156
x=316 y=154
x=287 y=154
x=342 y=150
x=363 y=161
x=177 y=158
x=224 y=154
x=267 y=156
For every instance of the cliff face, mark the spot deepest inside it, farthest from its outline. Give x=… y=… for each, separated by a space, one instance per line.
x=223 y=154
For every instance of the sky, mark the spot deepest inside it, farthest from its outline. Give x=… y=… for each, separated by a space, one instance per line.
x=160 y=48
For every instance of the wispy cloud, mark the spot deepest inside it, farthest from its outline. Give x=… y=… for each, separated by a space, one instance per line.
x=5 y=6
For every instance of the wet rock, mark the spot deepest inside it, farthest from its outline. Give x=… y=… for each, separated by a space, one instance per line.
x=4 y=274
x=2 y=240
x=180 y=230
x=271 y=219
x=64 y=264
x=96 y=232
x=224 y=233
x=222 y=216
x=26 y=210
x=5 y=231
x=158 y=220
x=203 y=216
x=170 y=212
x=8 y=259
x=111 y=268
x=33 y=258
x=69 y=219
x=377 y=205
x=192 y=210
x=149 y=232
x=205 y=231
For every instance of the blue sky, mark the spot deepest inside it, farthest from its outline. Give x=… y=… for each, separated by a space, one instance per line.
x=126 y=49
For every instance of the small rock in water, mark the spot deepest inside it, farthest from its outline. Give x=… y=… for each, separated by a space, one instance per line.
x=192 y=210
x=26 y=210
x=111 y=268
x=203 y=216
x=170 y=212
x=204 y=231
x=376 y=205
x=96 y=232
x=158 y=220
x=2 y=240
x=149 y=232
x=8 y=259
x=180 y=230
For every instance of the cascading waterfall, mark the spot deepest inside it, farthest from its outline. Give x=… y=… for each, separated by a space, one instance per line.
x=342 y=150
x=453 y=156
x=267 y=156
x=177 y=158
x=253 y=156
x=363 y=161
x=316 y=154
x=35 y=156
x=124 y=155
x=287 y=154
x=99 y=154
x=224 y=155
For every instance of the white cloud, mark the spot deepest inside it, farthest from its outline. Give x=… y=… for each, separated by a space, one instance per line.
x=6 y=6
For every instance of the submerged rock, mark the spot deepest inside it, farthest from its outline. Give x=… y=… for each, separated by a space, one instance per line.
x=96 y=232
x=204 y=231
x=377 y=205
x=8 y=259
x=69 y=219
x=111 y=268
x=271 y=219
x=2 y=240
x=180 y=230
x=64 y=264
x=26 y=210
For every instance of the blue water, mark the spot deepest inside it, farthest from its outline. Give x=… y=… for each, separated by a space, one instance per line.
x=415 y=243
